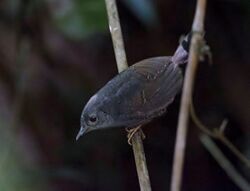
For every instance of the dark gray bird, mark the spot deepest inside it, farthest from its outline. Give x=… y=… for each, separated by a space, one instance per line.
x=136 y=95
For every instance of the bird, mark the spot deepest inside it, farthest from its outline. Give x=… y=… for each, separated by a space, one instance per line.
x=138 y=94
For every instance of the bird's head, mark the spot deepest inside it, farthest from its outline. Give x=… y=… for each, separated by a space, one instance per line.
x=92 y=117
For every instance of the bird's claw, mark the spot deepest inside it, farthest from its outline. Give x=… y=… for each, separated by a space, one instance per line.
x=131 y=133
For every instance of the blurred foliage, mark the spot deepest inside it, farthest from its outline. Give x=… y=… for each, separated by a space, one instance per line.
x=144 y=11
x=79 y=18
x=16 y=173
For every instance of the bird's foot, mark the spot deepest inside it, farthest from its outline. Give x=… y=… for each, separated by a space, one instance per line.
x=131 y=133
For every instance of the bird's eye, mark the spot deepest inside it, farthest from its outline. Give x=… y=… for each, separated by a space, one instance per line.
x=92 y=120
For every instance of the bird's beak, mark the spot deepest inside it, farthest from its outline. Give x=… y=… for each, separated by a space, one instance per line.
x=82 y=131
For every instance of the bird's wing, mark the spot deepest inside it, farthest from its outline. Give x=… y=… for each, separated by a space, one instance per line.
x=161 y=80
x=141 y=92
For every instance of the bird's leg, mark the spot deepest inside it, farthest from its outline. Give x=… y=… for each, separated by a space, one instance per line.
x=131 y=133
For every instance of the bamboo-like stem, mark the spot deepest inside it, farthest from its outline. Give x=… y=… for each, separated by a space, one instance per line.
x=140 y=162
x=235 y=176
x=116 y=34
x=120 y=55
x=180 y=144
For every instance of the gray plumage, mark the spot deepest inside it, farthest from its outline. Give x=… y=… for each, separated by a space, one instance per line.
x=136 y=95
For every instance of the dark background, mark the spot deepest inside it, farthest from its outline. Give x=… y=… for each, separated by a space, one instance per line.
x=55 y=54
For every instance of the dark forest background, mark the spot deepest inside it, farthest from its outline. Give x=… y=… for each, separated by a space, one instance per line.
x=55 y=54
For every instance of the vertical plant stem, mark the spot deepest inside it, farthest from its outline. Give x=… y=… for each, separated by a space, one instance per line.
x=140 y=161
x=120 y=55
x=116 y=34
x=182 y=128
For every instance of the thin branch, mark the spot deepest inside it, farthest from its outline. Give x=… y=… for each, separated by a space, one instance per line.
x=235 y=176
x=234 y=150
x=115 y=30
x=116 y=34
x=218 y=133
x=140 y=162
x=197 y=38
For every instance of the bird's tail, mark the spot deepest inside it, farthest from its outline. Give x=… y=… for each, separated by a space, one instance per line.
x=181 y=54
